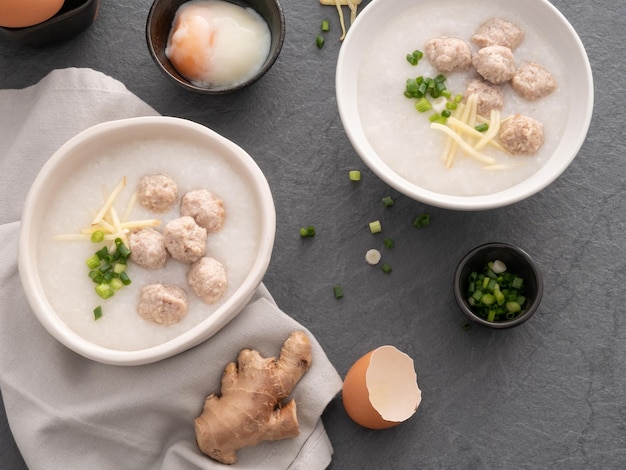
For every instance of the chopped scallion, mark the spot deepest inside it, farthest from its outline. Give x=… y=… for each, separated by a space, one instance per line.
x=338 y=291
x=421 y=220
x=319 y=41
x=388 y=243
x=388 y=201
x=484 y=127
x=307 y=232
x=97 y=313
x=325 y=25
x=423 y=105
x=375 y=226
x=386 y=268
x=97 y=236
x=354 y=175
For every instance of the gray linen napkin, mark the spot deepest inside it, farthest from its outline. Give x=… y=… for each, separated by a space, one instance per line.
x=67 y=412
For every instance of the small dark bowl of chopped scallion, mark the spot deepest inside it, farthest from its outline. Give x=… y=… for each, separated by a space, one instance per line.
x=498 y=285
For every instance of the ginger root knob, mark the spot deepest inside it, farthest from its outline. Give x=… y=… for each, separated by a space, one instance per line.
x=250 y=409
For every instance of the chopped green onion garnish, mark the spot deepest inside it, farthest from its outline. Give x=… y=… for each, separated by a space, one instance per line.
x=355 y=175
x=338 y=291
x=421 y=220
x=97 y=313
x=446 y=113
x=319 y=41
x=104 y=290
x=97 y=236
x=451 y=105
x=307 y=232
x=325 y=25
x=458 y=98
x=386 y=268
x=414 y=57
x=375 y=226
x=434 y=117
x=495 y=296
x=124 y=278
x=388 y=243
x=388 y=201
x=482 y=127
x=93 y=262
x=116 y=283
x=423 y=105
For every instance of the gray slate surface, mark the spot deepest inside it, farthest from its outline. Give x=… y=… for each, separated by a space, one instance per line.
x=549 y=394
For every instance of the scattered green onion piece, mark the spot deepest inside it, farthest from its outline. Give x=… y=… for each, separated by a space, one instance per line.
x=319 y=41
x=388 y=201
x=375 y=226
x=447 y=93
x=103 y=253
x=122 y=249
x=451 y=105
x=124 y=278
x=97 y=236
x=484 y=127
x=386 y=268
x=458 y=98
x=423 y=105
x=434 y=117
x=355 y=175
x=517 y=283
x=119 y=268
x=116 y=283
x=411 y=59
x=338 y=291
x=104 y=290
x=446 y=113
x=307 y=232
x=422 y=220
x=325 y=25
x=97 y=313
x=93 y=262
x=388 y=243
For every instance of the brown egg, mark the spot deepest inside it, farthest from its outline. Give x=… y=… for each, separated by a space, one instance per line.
x=22 y=13
x=380 y=390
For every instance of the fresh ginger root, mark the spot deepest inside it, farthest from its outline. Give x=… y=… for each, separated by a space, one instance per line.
x=250 y=408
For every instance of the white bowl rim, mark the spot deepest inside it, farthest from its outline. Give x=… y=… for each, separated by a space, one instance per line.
x=372 y=18
x=197 y=334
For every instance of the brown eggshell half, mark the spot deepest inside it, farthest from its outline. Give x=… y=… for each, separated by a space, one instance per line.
x=380 y=390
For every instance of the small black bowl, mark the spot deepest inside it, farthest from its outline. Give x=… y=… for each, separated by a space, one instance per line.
x=74 y=17
x=517 y=261
x=159 y=23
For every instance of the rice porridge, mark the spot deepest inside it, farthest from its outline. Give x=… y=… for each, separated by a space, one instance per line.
x=62 y=268
x=402 y=137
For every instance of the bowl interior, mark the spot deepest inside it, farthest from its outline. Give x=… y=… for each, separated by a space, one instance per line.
x=539 y=13
x=159 y=23
x=88 y=149
x=517 y=261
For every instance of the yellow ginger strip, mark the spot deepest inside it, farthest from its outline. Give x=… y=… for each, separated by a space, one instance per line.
x=352 y=4
x=492 y=131
x=462 y=128
x=464 y=145
x=109 y=202
x=130 y=206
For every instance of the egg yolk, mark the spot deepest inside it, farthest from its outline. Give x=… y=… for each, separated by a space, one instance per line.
x=190 y=43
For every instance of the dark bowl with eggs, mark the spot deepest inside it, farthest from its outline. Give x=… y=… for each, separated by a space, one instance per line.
x=518 y=263
x=159 y=24
x=74 y=17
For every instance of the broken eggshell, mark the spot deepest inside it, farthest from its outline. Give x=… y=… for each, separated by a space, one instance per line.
x=380 y=390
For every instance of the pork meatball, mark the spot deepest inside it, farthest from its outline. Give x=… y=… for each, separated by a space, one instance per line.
x=488 y=96
x=495 y=64
x=448 y=54
x=498 y=32
x=185 y=240
x=521 y=134
x=157 y=193
x=164 y=304
x=147 y=248
x=206 y=209
x=207 y=279
x=532 y=81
